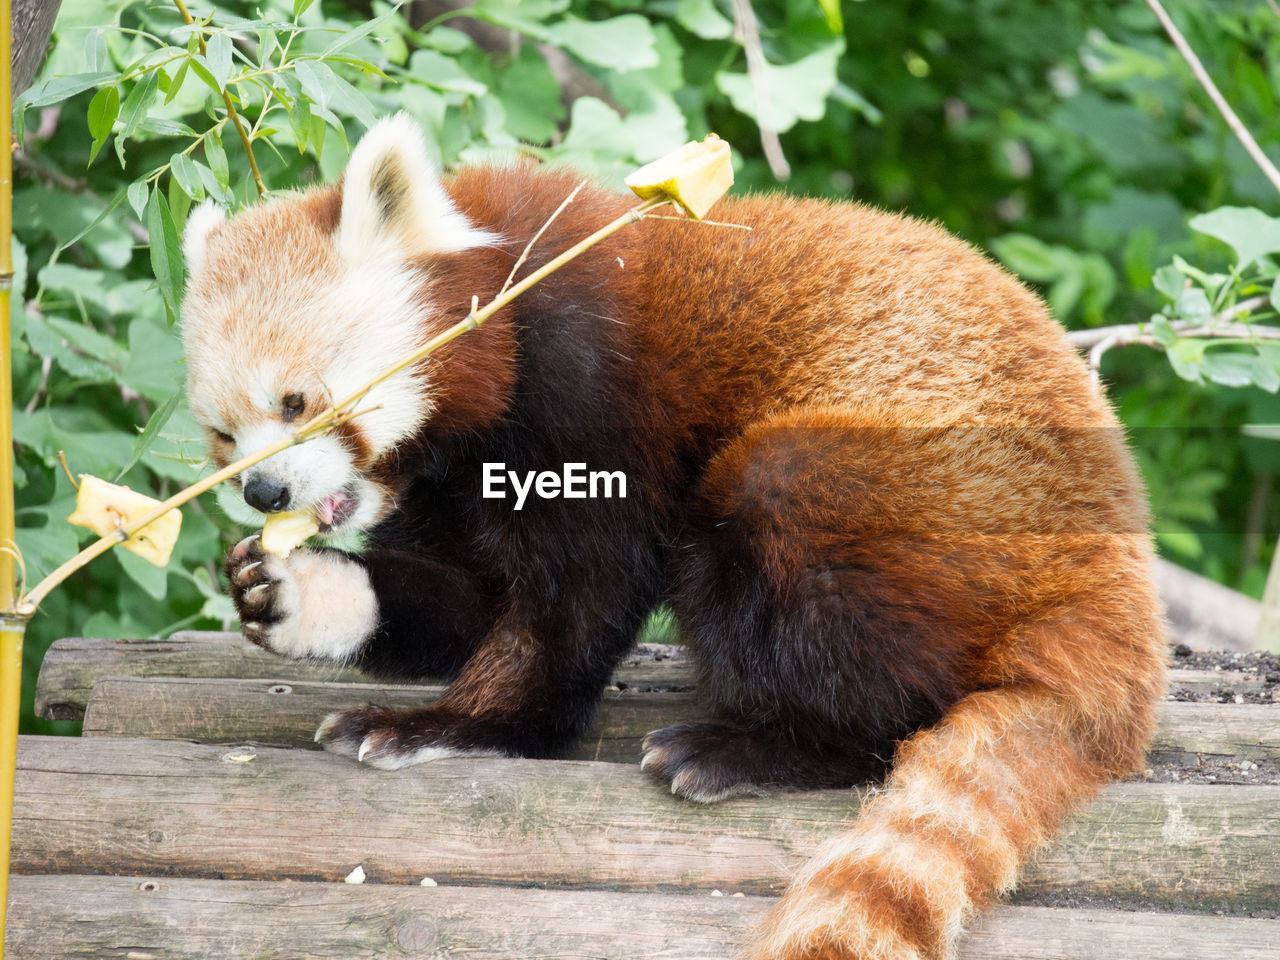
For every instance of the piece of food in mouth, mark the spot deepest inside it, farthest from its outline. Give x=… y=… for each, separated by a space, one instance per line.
x=695 y=176
x=284 y=531
x=107 y=508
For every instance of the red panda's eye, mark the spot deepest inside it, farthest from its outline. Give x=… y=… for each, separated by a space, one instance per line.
x=292 y=405
x=224 y=437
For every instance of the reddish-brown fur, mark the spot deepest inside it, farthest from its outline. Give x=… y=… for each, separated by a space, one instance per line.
x=849 y=323
x=878 y=487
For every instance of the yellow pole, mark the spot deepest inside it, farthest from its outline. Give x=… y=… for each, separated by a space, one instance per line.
x=11 y=629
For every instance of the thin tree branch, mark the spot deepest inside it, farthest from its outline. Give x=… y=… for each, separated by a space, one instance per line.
x=1219 y=101
x=231 y=110
x=1098 y=341
x=1217 y=325
x=746 y=30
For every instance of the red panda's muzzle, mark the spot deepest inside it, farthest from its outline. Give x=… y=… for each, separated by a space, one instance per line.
x=336 y=509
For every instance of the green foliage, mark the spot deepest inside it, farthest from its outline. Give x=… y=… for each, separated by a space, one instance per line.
x=1066 y=137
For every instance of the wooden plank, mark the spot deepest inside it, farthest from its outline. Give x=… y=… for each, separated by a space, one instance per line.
x=150 y=806
x=279 y=714
x=73 y=665
x=166 y=919
x=1239 y=731
x=287 y=714
x=1203 y=681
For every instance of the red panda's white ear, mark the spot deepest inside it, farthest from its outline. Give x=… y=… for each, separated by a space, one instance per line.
x=392 y=199
x=201 y=222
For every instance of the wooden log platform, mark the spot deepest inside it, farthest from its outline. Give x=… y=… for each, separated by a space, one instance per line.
x=194 y=818
x=164 y=918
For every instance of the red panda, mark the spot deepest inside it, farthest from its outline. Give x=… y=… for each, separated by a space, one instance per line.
x=896 y=522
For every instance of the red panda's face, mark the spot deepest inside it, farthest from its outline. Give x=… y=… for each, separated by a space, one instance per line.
x=301 y=301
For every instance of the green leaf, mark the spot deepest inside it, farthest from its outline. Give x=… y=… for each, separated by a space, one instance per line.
x=831 y=10
x=851 y=98
x=300 y=7
x=530 y=96
x=166 y=254
x=103 y=110
x=1170 y=282
x=1185 y=357
x=201 y=70
x=175 y=85
x=149 y=433
x=794 y=92
x=18 y=297
x=359 y=33
x=153 y=361
x=46 y=546
x=81 y=351
x=216 y=157
x=595 y=126
x=1193 y=305
x=53 y=90
x=1210 y=281
x=1163 y=331
x=1229 y=368
x=217 y=54
x=1275 y=296
x=702 y=19
x=444 y=73
x=154 y=580
x=138 y=192
x=185 y=173
x=329 y=91
x=103 y=251
x=526 y=16
x=1248 y=231
x=1028 y=257
x=620 y=43
x=1266 y=370
x=75 y=281
x=447 y=40
x=136 y=105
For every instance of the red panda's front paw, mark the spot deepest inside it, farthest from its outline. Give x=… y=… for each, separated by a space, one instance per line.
x=316 y=604
x=262 y=589
x=389 y=739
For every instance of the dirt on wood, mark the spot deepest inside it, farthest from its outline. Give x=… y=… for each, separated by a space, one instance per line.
x=1252 y=677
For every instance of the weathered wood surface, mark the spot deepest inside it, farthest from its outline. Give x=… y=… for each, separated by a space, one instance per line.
x=1246 y=731
x=87 y=918
x=286 y=714
x=74 y=665
x=150 y=806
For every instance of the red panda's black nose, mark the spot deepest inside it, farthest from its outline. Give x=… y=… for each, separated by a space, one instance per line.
x=265 y=494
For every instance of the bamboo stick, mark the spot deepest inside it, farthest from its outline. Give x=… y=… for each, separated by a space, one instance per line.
x=11 y=629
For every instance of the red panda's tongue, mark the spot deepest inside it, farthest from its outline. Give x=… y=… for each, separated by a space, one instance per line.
x=327 y=507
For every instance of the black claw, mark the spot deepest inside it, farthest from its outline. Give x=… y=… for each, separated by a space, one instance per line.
x=252 y=587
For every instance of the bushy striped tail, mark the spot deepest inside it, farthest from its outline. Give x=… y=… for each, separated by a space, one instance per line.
x=968 y=800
